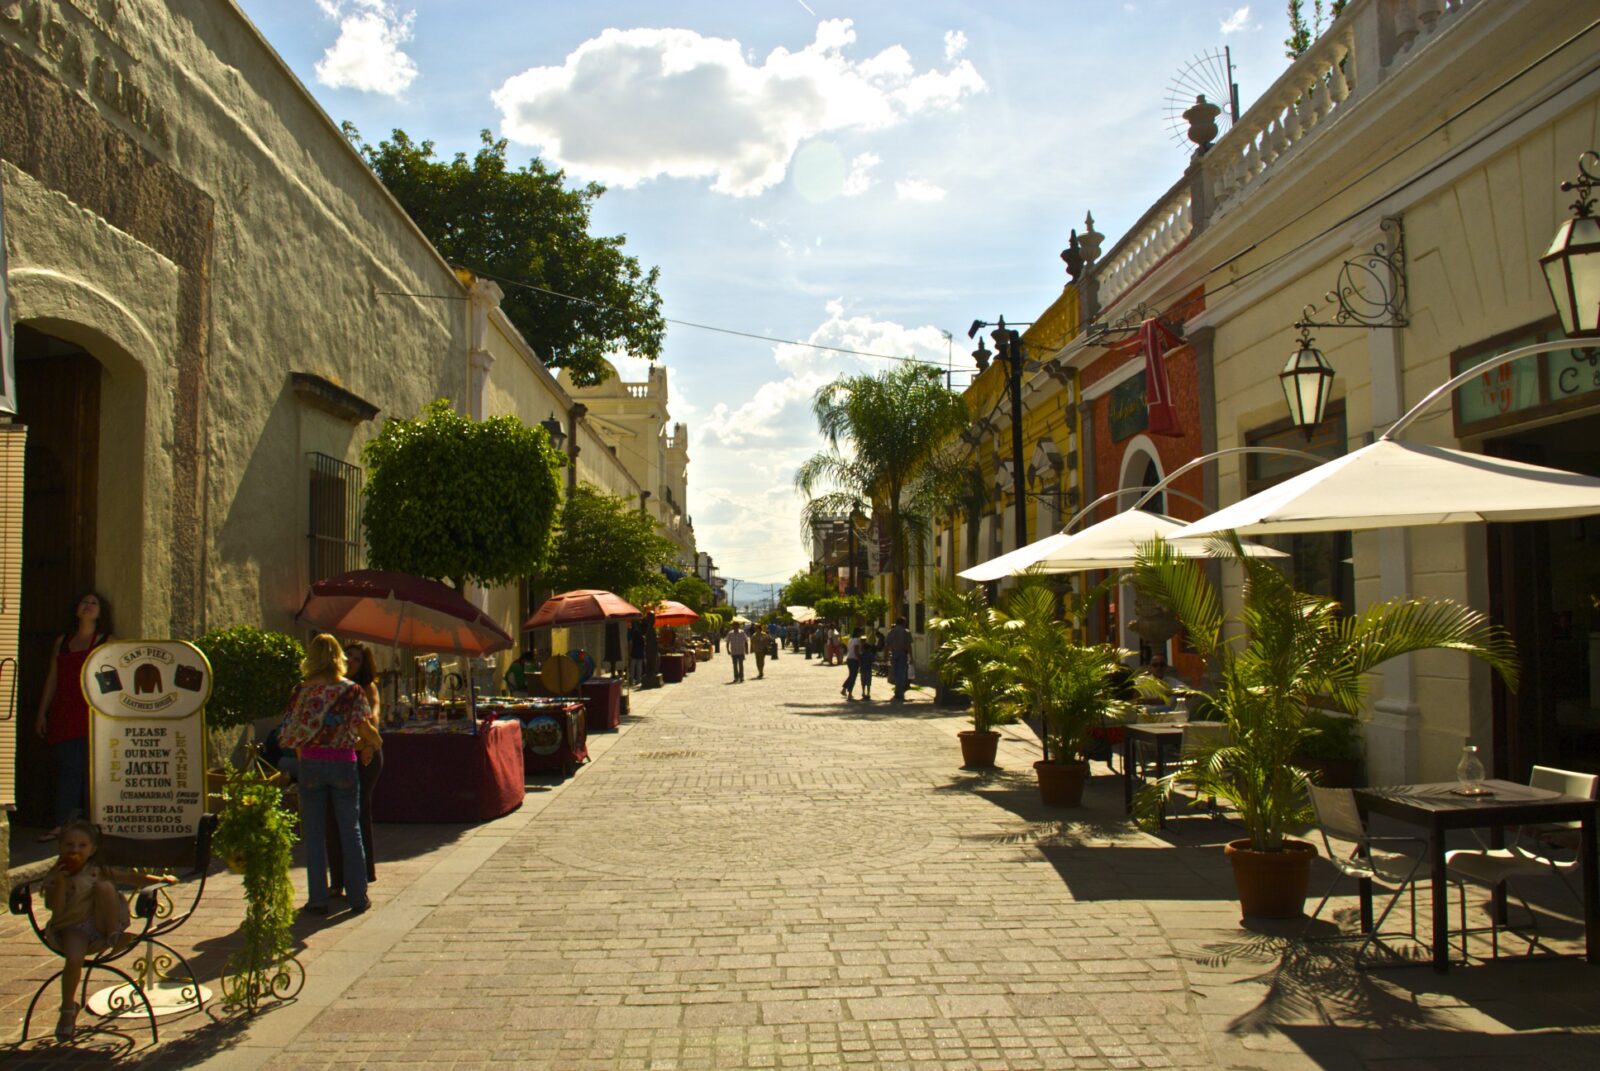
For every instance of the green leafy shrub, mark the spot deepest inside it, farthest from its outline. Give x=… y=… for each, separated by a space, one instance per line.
x=252 y=673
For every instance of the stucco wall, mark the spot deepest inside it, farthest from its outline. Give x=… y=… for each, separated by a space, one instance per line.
x=281 y=271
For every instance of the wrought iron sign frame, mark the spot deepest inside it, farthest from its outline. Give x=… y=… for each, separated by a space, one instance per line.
x=1129 y=322
x=1371 y=288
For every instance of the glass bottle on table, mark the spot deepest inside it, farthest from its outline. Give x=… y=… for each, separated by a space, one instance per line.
x=1469 y=772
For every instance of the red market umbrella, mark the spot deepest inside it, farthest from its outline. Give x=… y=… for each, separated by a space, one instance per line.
x=584 y=606
x=402 y=611
x=671 y=612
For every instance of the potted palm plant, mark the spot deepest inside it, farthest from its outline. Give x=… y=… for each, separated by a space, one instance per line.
x=977 y=656
x=1070 y=687
x=1290 y=649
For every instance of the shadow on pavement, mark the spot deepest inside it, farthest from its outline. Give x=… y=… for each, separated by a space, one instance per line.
x=129 y=1047
x=868 y=710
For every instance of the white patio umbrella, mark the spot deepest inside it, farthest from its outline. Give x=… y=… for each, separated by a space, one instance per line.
x=1394 y=484
x=1112 y=544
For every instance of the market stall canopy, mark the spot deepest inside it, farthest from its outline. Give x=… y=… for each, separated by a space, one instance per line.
x=1394 y=484
x=803 y=615
x=583 y=606
x=401 y=610
x=1112 y=544
x=672 y=612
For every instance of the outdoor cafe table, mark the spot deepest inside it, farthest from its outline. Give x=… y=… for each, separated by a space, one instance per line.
x=1438 y=809
x=1160 y=737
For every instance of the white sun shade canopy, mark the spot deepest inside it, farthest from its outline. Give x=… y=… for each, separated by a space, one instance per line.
x=1393 y=484
x=1112 y=544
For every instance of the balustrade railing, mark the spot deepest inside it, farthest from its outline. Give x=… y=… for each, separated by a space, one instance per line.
x=1368 y=42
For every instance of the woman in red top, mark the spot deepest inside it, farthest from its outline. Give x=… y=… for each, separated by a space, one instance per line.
x=63 y=720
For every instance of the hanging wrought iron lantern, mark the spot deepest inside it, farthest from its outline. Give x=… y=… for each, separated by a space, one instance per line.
x=1307 y=381
x=1572 y=263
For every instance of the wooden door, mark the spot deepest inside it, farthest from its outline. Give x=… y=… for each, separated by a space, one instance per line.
x=58 y=395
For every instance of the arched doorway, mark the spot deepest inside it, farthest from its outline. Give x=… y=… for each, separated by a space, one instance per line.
x=58 y=398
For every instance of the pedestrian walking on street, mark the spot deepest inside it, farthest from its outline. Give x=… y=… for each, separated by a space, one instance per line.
x=737 y=643
x=636 y=645
x=870 y=643
x=852 y=658
x=898 y=644
x=759 y=643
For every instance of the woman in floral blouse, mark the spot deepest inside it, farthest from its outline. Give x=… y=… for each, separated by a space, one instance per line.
x=323 y=725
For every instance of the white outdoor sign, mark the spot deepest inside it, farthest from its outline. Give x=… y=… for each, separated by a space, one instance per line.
x=147 y=736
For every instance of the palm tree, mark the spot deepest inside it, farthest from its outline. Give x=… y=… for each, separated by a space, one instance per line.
x=849 y=496
x=893 y=423
x=977 y=655
x=1295 y=650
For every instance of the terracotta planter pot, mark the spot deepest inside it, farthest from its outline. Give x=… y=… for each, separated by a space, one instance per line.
x=1061 y=783
x=1271 y=885
x=977 y=749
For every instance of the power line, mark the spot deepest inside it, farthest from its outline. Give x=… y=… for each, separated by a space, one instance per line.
x=709 y=327
x=1375 y=168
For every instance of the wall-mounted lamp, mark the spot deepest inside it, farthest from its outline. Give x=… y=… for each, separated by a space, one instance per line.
x=1307 y=381
x=558 y=434
x=1572 y=263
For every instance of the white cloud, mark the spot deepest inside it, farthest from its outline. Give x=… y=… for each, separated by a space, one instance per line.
x=859 y=180
x=631 y=105
x=1237 y=21
x=918 y=190
x=955 y=43
x=367 y=55
x=779 y=410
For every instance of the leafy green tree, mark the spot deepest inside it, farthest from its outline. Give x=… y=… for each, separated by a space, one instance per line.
x=804 y=589
x=693 y=593
x=835 y=608
x=1301 y=32
x=524 y=225
x=606 y=542
x=455 y=499
x=894 y=424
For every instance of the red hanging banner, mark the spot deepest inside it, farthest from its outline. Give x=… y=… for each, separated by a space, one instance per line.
x=1156 y=338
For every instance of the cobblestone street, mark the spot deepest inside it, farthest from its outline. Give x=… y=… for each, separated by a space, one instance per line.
x=766 y=875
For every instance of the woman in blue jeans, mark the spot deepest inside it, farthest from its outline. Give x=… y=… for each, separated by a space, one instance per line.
x=323 y=724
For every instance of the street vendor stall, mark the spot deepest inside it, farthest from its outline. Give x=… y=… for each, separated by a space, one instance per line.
x=553 y=732
x=441 y=762
x=602 y=700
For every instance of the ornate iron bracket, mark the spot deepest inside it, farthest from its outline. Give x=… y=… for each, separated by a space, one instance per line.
x=1129 y=322
x=1371 y=289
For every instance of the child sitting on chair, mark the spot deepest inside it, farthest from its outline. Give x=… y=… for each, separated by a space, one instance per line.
x=87 y=915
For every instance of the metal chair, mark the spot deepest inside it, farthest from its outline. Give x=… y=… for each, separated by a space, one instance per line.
x=155 y=916
x=1495 y=867
x=1339 y=818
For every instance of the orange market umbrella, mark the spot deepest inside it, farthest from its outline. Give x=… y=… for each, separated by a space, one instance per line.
x=403 y=611
x=671 y=612
x=584 y=606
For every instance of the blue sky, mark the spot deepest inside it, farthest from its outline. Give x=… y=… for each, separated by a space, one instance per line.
x=864 y=175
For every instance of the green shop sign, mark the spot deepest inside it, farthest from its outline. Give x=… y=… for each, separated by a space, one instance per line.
x=1127 y=412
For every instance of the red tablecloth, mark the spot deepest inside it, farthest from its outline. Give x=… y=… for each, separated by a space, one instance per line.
x=450 y=777
x=672 y=668
x=554 y=738
x=602 y=702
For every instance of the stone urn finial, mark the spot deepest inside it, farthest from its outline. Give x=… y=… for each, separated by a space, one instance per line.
x=1202 y=119
x=1089 y=241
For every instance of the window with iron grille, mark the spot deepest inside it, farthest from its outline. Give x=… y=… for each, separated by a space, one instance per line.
x=335 y=534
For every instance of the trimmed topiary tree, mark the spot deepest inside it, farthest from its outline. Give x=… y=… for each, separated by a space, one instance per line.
x=252 y=673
